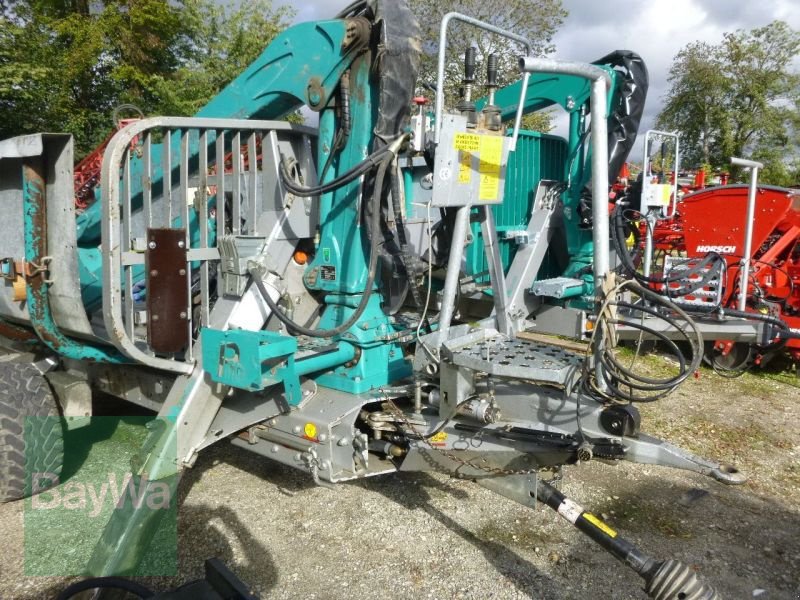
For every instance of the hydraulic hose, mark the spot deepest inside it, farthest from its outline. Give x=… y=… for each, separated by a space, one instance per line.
x=775 y=321
x=357 y=171
x=628 y=385
x=372 y=270
x=619 y=236
x=408 y=260
x=117 y=583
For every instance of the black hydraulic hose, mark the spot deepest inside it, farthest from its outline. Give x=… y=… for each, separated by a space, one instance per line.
x=343 y=133
x=775 y=321
x=367 y=164
x=619 y=236
x=400 y=224
x=372 y=271
x=673 y=347
x=616 y=376
x=353 y=9
x=344 y=97
x=397 y=209
x=118 y=583
x=710 y=310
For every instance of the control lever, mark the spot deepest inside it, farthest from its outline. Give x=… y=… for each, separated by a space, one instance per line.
x=491 y=112
x=467 y=107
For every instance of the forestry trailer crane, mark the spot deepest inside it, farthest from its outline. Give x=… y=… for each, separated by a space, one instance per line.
x=349 y=300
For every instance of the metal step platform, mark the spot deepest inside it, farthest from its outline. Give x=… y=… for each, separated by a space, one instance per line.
x=489 y=352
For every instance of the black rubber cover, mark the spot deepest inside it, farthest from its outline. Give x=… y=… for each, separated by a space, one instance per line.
x=398 y=57
x=626 y=112
x=397 y=45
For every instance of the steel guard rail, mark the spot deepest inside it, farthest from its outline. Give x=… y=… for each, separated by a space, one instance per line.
x=131 y=181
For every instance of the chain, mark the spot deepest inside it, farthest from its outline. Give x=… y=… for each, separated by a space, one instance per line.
x=446 y=453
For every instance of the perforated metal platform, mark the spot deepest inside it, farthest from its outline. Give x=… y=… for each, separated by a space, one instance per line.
x=513 y=358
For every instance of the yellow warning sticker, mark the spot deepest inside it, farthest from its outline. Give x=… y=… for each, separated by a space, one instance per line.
x=599 y=524
x=464 y=166
x=438 y=438
x=491 y=155
x=469 y=142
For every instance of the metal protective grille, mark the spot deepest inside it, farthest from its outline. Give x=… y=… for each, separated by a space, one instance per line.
x=207 y=177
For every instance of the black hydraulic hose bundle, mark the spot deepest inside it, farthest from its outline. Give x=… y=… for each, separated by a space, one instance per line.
x=622 y=381
x=372 y=269
x=371 y=161
x=619 y=231
x=619 y=236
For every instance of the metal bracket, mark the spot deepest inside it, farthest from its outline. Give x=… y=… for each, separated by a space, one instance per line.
x=32 y=269
x=11 y=269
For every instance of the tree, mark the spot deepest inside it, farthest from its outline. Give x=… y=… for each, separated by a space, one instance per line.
x=536 y=20
x=224 y=41
x=65 y=65
x=737 y=98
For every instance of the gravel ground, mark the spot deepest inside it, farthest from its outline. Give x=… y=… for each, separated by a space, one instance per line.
x=428 y=536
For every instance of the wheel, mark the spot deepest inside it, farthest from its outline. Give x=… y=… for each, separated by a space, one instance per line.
x=27 y=446
x=732 y=364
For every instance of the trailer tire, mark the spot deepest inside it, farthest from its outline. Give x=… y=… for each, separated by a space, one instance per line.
x=28 y=446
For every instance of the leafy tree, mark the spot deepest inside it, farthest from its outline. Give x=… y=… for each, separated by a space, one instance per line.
x=738 y=98
x=536 y=20
x=224 y=41
x=65 y=65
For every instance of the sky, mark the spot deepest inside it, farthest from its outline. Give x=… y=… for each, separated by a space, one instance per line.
x=655 y=29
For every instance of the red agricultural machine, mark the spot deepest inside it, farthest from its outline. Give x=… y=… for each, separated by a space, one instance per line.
x=741 y=234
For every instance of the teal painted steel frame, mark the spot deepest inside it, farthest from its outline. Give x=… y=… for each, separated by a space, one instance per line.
x=256 y=360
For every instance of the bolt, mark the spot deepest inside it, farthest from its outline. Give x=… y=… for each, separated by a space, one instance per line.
x=273 y=422
x=297 y=429
x=314 y=97
x=325 y=465
x=183 y=314
x=275 y=448
x=343 y=442
x=182 y=272
x=322 y=437
x=154 y=273
x=154 y=317
x=181 y=244
x=298 y=457
x=152 y=245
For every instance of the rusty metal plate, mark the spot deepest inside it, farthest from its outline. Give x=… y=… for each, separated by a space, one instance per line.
x=167 y=290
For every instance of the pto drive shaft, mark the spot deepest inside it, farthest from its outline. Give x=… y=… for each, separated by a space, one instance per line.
x=664 y=580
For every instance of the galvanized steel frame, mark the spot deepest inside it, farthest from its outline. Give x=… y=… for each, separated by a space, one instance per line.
x=116 y=245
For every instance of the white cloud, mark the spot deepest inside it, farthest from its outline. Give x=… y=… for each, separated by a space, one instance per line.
x=655 y=29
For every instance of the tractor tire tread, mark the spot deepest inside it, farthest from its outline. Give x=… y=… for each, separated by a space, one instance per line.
x=24 y=393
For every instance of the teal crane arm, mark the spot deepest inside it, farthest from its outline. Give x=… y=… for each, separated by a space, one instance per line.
x=302 y=66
